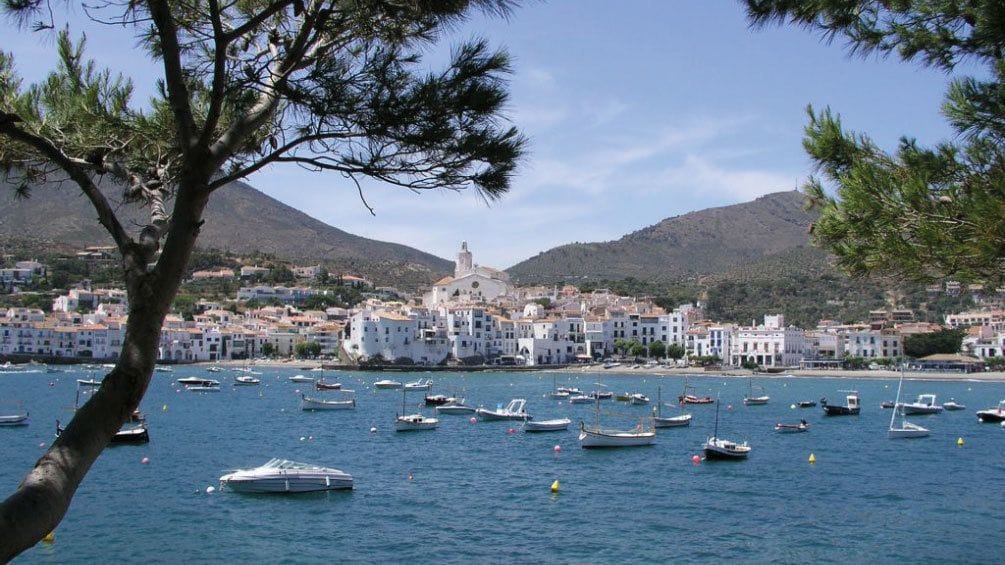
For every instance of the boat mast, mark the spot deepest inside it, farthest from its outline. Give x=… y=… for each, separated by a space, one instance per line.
x=896 y=403
x=715 y=434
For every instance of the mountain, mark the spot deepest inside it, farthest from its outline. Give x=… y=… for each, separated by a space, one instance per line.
x=687 y=247
x=239 y=219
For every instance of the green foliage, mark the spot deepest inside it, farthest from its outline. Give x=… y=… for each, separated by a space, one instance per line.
x=918 y=213
x=545 y=302
x=307 y=349
x=657 y=349
x=944 y=341
x=749 y=364
x=676 y=351
x=268 y=350
x=636 y=349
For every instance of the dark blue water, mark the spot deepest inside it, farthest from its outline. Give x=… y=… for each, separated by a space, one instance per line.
x=475 y=492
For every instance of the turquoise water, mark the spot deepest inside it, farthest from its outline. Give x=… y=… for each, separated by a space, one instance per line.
x=476 y=492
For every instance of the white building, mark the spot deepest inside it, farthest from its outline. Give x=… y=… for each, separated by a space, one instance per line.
x=470 y=283
x=768 y=345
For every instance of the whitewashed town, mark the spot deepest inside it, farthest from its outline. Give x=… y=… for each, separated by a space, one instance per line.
x=475 y=316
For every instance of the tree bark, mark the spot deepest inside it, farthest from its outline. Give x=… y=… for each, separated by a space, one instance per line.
x=43 y=497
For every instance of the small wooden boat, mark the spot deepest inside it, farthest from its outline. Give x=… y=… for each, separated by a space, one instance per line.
x=346 y=402
x=661 y=421
x=320 y=384
x=623 y=397
x=436 y=399
x=387 y=384
x=638 y=399
x=887 y=404
x=807 y=403
x=802 y=426
x=555 y=425
x=718 y=448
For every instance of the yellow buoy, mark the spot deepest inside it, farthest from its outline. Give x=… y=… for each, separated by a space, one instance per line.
x=959 y=442
x=813 y=459
x=49 y=537
x=554 y=486
x=164 y=408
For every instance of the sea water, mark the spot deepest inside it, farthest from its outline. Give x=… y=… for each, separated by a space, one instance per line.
x=480 y=492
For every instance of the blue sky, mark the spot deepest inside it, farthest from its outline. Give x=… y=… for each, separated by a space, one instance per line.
x=636 y=111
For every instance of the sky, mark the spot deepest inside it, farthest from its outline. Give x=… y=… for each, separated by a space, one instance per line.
x=636 y=111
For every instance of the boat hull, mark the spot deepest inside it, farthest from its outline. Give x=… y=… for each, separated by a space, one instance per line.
x=455 y=409
x=311 y=404
x=547 y=425
x=991 y=415
x=414 y=423
x=672 y=422
x=279 y=482
x=756 y=401
x=907 y=432
x=791 y=428
x=910 y=409
x=14 y=420
x=590 y=438
x=723 y=450
x=830 y=410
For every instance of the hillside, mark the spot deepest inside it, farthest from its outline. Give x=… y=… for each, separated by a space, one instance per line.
x=684 y=247
x=239 y=219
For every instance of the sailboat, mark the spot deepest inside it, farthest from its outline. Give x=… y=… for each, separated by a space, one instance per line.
x=903 y=428
x=750 y=399
x=688 y=398
x=595 y=436
x=660 y=421
x=412 y=422
x=718 y=448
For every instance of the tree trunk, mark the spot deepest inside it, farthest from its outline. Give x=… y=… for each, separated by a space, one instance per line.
x=43 y=497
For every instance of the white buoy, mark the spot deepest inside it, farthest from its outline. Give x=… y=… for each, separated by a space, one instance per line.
x=302 y=438
x=373 y=430
x=210 y=489
x=792 y=406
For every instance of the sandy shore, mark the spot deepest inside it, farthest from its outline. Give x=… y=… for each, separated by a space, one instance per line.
x=625 y=370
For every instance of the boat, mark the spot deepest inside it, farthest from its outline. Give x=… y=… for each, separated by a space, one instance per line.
x=455 y=406
x=436 y=399
x=925 y=404
x=718 y=448
x=163 y=369
x=596 y=436
x=246 y=370
x=205 y=387
x=851 y=407
x=807 y=403
x=569 y=390
x=661 y=421
x=602 y=394
x=197 y=381
x=281 y=475
x=638 y=399
x=419 y=385
x=387 y=384
x=903 y=429
x=623 y=397
x=131 y=435
x=580 y=399
x=951 y=404
x=989 y=415
x=245 y=380
x=346 y=402
x=515 y=410
x=555 y=425
x=15 y=419
x=558 y=392
x=321 y=384
x=412 y=422
x=688 y=398
x=887 y=404
x=301 y=379
x=802 y=426
x=215 y=369
x=88 y=382
x=750 y=399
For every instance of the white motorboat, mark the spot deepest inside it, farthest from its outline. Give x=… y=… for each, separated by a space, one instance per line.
x=301 y=379
x=718 y=448
x=951 y=404
x=215 y=369
x=163 y=369
x=455 y=407
x=580 y=399
x=595 y=436
x=346 y=401
x=17 y=419
x=135 y=434
x=555 y=425
x=925 y=404
x=387 y=384
x=992 y=414
x=638 y=398
x=197 y=381
x=904 y=429
x=205 y=387
x=246 y=380
x=513 y=411
x=419 y=385
x=281 y=475
x=88 y=382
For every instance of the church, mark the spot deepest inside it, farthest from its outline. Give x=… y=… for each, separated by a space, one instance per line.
x=471 y=284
